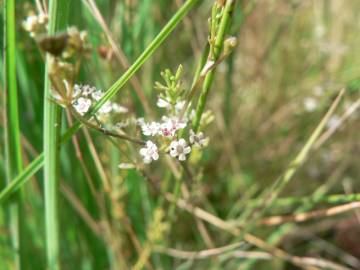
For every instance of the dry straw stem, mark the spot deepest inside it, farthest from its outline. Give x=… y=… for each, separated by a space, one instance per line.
x=326 y=135
x=293 y=201
x=317 y=196
x=202 y=254
x=275 y=220
x=259 y=243
x=230 y=251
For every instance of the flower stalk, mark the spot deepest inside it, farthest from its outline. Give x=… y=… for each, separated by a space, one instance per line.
x=216 y=45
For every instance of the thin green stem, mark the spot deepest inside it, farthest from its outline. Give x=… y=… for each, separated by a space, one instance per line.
x=13 y=155
x=52 y=127
x=214 y=56
x=310 y=200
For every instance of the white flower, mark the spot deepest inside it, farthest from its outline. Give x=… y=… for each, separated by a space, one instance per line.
x=84 y=90
x=42 y=18
x=140 y=121
x=34 y=24
x=87 y=89
x=310 y=104
x=151 y=129
x=106 y=108
x=30 y=23
x=118 y=108
x=179 y=106
x=82 y=105
x=97 y=95
x=197 y=139
x=163 y=103
x=171 y=125
x=150 y=152
x=179 y=149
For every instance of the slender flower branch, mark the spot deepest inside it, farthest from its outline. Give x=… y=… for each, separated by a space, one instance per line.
x=214 y=55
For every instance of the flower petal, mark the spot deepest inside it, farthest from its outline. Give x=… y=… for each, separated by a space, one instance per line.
x=187 y=150
x=182 y=142
x=155 y=156
x=173 y=153
x=143 y=151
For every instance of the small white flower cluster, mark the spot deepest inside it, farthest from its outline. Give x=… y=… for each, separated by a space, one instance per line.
x=35 y=24
x=150 y=152
x=178 y=147
x=167 y=130
x=166 y=103
x=84 y=96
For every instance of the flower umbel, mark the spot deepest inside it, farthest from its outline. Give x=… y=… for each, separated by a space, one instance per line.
x=82 y=105
x=198 y=139
x=170 y=126
x=150 y=129
x=150 y=152
x=179 y=149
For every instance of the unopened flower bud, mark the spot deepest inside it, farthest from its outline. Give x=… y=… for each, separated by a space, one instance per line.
x=229 y=45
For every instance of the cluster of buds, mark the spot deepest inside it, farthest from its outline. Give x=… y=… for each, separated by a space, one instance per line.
x=169 y=132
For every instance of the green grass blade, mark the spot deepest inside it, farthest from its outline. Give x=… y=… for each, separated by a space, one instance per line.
x=13 y=154
x=117 y=86
x=22 y=178
x=52 y=126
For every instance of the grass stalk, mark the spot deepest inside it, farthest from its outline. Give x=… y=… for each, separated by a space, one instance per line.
x=112 y=91
x=311 y=200
x=214 y=54
x=13 y=155
x=52 y=127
